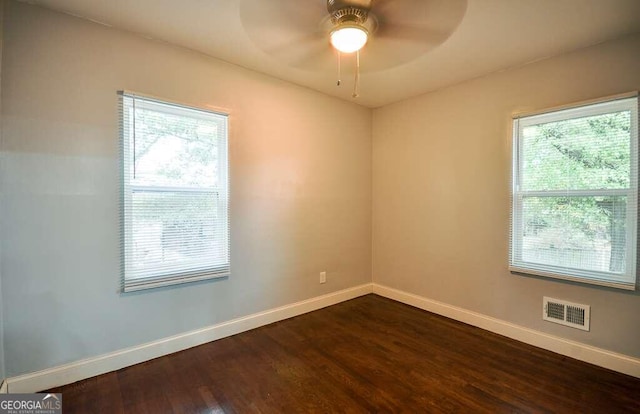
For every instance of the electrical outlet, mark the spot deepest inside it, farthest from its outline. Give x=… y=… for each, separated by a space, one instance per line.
x=323 y=277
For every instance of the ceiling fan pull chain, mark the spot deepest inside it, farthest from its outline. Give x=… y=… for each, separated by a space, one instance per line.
x=357 y=81
x=339 y=72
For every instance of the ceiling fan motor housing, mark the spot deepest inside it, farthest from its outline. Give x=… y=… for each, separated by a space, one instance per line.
x=348 y=11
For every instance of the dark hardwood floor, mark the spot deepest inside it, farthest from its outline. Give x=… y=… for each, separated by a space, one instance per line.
x=369 y=354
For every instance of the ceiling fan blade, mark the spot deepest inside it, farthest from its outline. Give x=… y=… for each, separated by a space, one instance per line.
x=296 y=32
x=407 y=29
x=412 y=33
x=291 y=45
x=443 y=15
x=309 y=52
x=300 y=13
x=288 y=30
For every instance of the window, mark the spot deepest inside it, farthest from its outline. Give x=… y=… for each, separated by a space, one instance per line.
x=174 y=193
x=575 y=193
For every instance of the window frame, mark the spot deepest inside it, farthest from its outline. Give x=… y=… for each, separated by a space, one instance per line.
x=628 y=280
x=127 y=189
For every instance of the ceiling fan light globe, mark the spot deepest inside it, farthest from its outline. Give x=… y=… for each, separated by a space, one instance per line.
x=349 y=38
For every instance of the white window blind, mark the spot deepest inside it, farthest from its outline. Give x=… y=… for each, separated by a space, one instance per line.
x=175 y=192
x=575 y=193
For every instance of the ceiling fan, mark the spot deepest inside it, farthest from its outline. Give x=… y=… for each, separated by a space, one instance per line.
x=314 y=34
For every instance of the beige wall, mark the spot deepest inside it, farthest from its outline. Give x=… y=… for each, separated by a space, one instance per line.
x=300 y=190
x=2 y=372
x=441 y=170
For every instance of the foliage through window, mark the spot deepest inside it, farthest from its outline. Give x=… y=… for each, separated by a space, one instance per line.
x=574 y=196
x=174 y=193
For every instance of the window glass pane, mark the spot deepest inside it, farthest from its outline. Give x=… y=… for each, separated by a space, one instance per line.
x=174 y=150
x=175 y=225
x=581 y=153
x=576 y=232
x=176 y=231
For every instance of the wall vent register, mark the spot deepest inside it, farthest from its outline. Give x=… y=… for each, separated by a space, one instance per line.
x=566 y=313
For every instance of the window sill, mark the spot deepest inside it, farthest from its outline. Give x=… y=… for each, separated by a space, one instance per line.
x=591 y=281
x=133 y=285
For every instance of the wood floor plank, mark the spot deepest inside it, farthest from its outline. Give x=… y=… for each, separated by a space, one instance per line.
x=366 y=355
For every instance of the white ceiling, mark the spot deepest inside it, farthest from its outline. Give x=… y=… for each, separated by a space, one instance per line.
x=492 y=35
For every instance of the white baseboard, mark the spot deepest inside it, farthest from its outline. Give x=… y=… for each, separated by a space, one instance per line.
x=90 y=367
x=597 y=356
